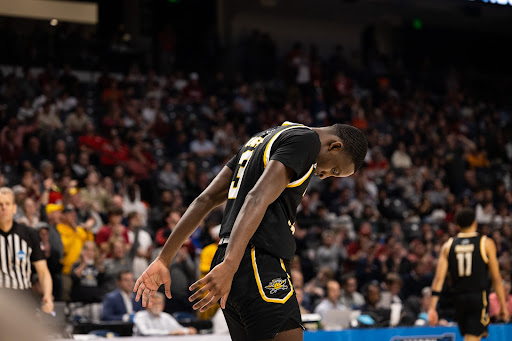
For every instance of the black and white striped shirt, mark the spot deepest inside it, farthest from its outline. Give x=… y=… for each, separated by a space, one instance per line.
x=19 y=248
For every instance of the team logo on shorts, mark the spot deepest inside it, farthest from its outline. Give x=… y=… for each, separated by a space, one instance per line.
x=276 y=285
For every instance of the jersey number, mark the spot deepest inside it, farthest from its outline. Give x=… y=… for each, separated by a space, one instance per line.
x=235 y=184
x=464 y=267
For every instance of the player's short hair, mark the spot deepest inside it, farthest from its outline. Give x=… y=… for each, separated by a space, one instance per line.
x=465 y=217
x=354 y=141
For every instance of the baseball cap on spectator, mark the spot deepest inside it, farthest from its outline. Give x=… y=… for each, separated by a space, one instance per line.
x=50 y=208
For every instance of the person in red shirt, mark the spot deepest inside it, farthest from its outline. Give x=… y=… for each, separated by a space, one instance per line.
x=114 y=228
x=91 y=142
x=172 y=217
x=114 y=152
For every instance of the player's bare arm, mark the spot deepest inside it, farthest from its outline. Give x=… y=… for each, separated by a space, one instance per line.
x=437 y=283
x=490 y=250
x=158 y=272
x=217 y=283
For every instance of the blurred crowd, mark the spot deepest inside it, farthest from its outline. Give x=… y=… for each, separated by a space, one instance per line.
x=104 y=170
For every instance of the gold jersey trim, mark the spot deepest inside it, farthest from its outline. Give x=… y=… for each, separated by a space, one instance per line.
x=482 y=249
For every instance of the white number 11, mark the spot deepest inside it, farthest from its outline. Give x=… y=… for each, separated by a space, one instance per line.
x=465 y=272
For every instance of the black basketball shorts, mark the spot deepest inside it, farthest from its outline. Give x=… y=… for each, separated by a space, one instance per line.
x=472 y=313
x=262 y=300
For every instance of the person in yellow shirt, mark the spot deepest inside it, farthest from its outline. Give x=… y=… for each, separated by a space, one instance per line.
x=205 y=261
x=73 y=238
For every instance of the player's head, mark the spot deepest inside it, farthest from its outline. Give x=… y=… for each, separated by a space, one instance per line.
x=465 y=219
x=345 y=152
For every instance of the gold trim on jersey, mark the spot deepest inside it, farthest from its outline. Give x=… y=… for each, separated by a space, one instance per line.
x=485 y=316
x=450 y=242
x=482 y=249
x=467 y=234
x=260 y=286
x=266 y=154
x=300 y=181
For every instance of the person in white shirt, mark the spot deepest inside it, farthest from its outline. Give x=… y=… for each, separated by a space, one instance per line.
x=153 y=321
x=332 y=299
x=141 y=243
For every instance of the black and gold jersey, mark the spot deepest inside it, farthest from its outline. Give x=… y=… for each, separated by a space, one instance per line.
x=467 y=263
x=297 y=147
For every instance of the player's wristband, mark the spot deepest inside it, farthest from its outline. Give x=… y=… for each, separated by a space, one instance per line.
x=436 y=293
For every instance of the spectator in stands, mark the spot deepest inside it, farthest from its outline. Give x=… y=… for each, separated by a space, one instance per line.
x=29 y=211
x=329 y=254
x=87 y=275
x=31 y=156
x=416 y=280
x=53 y=255
x=141 y=243
x=494 y=304
x=154 y=321
x=201 y=147
x=118 y=262
x=331 y=300
x=48 y=120
x=113 y=229
x=372 y=298
x=167 y=178
x=120 y=304
x=298 y=283
x=400 y=158
x=73 y=239
x=391 y=290
x=350 y=297
x=316 y=287
x=172 y=217
x=132 y=202
x=77 y=121
x=93 y=194
x=398 y=262
x=86 y=215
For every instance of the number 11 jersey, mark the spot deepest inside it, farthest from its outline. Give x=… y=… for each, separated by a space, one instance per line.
x=467 y=263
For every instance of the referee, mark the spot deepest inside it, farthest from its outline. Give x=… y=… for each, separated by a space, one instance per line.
x=20 y=248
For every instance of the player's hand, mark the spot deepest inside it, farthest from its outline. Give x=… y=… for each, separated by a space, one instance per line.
x=433 y=318
x=148 y=283
x=504 y=314
x=217 y=283
x=47 y=305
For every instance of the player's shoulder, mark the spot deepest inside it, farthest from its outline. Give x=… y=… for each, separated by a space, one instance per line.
x=302 y=133
x=488 y=242
x=448 y=244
